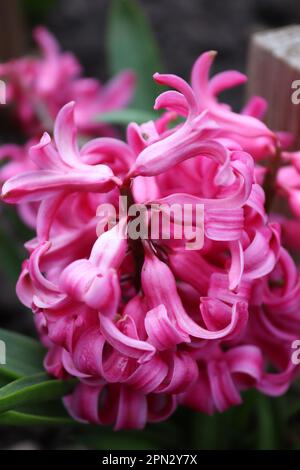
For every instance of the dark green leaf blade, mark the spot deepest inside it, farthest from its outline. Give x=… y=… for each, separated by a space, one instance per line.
x=24 y=355
x=33 y=389
x=19 y=418
x=46 y=413
x=126 y=116
x=266 y=424
x=10 y=257
x=131 y=45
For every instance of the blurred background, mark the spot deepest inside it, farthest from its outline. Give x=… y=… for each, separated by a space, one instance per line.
x=182 y=30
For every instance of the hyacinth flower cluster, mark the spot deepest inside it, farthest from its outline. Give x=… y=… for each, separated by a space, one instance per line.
x=39 y=86
x=146 y=325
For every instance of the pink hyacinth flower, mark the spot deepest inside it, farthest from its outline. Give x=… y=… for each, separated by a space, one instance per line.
x=144 y=324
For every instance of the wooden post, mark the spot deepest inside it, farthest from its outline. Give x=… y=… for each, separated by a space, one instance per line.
x=12 y=30
x=273 y=68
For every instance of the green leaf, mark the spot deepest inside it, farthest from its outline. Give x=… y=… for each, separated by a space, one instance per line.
x=18 y=418
x=13 y=234
x=33 y=389
x=125 y=116
x=266 y=423
x=10 y=258
x=206 y=431
x=131 y=45
x=3 y=381
x=21 y=231
x=49 y=413
x=24 y=355
x=37 y=10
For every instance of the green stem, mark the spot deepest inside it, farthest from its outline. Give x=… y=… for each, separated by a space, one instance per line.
x=270 y=181
x=136 y=246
